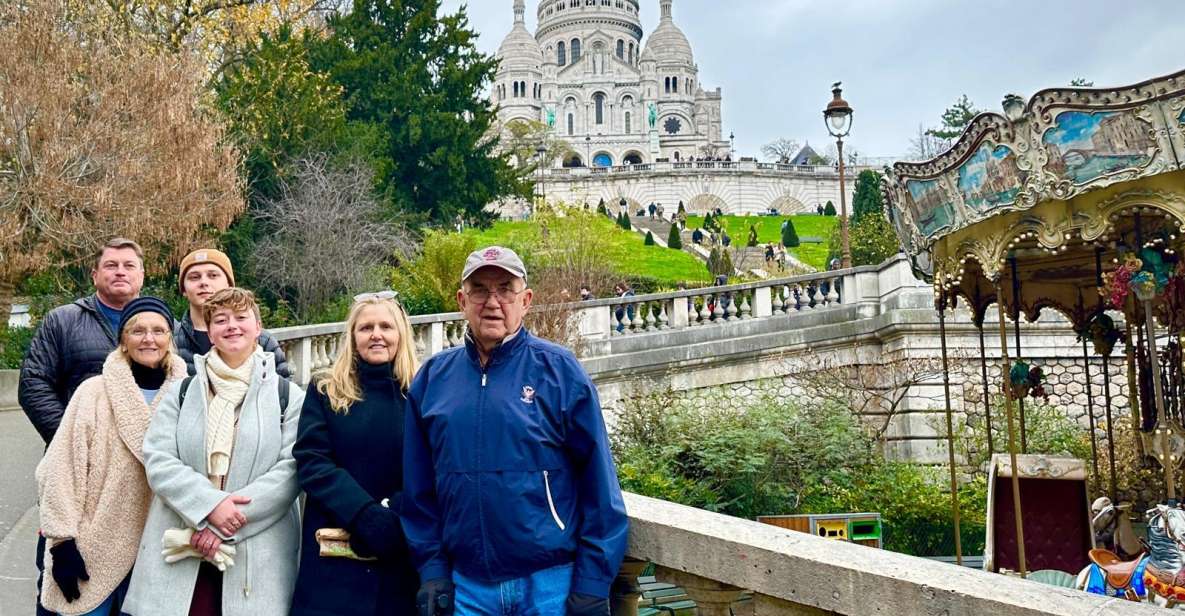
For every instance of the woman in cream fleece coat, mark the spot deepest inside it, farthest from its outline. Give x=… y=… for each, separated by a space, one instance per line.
x=258 y=482
x=93 y=492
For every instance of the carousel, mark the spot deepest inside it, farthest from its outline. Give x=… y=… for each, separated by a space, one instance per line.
x=1072 y=201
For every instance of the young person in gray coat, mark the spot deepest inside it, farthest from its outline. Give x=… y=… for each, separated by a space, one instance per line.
x=219 y=461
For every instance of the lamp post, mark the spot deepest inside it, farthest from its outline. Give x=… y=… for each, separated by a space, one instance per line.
x=588 y=151
x=838 y=119
x=732 y=145
x=541 y=154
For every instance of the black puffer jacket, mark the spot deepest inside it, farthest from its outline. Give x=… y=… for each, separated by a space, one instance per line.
x=69 y=347
x=187 y=346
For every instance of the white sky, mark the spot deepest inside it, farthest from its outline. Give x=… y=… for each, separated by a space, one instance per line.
x=901 y=61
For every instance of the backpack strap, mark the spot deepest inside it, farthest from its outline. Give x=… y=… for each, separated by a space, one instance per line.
x=283 y=386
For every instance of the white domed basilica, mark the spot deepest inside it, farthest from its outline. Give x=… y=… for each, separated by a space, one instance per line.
x=616 y=101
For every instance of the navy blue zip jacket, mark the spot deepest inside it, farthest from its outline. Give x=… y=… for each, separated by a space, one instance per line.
x=507 y=469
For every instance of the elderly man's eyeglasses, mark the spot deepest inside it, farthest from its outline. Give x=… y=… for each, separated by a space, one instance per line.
x=380 y=295
x=504 y=295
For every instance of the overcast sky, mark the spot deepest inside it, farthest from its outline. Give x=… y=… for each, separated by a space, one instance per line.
x=901 y=61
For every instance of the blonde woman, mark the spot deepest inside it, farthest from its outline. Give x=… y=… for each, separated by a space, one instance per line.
x=93 y=493
x=349 y=460
x=223 y=529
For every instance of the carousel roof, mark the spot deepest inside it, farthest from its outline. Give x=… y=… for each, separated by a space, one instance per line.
x=1048 y=190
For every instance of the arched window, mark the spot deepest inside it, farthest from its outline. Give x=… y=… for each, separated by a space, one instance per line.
x=571 y=125
x=575 y=51
x=561 y=55
x=633 y=60
x=628 y=127
x=515 y=89
x=675 y=85
x=667 y=85
x=620 y=49
x=599 y=99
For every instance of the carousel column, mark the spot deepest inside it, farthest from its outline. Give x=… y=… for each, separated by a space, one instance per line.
x=950 y=430
x=1098 y=271
x=1167 y=459
x=1085 y=333
x=1020 y=531
x=1020 y=402
x=987 y=399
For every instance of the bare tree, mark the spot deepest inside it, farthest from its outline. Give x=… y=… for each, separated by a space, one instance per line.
x=874 y=392
x=925 y=146
x=326 y=236
x=102 y=135
x=780 y=150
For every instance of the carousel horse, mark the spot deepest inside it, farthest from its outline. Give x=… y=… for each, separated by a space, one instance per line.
x=1113 y=529
x=1158 y=577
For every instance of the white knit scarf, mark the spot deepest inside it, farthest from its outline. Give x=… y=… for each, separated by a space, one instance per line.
x=230 y=387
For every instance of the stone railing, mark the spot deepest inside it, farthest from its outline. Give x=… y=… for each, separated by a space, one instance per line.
x=701 y=166
x=733 y=566
x=311 y=348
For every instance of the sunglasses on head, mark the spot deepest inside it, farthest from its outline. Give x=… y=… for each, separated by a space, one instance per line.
x=379 y=295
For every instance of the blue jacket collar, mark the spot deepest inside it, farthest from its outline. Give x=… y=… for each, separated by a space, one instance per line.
x=508 y=347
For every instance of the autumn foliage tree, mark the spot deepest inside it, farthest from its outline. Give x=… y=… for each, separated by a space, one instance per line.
x=101 y=135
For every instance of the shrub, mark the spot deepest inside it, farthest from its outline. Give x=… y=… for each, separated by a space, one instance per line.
x=674 y=238
x=752 y=241
x=649 y=241
x=625 y=222
x=790 y=235
x=829 y=209
x=14 y=343
x=720 y=262
x=776 y=458
x=428 y=284
x=872 y=240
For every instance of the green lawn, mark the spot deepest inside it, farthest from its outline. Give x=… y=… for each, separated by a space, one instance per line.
x=625 y=252
x=769 y=229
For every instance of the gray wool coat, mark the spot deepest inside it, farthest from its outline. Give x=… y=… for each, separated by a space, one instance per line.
x=267 y=548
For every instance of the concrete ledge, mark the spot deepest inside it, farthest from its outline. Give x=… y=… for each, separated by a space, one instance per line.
x=8 y=390
x=845 y=578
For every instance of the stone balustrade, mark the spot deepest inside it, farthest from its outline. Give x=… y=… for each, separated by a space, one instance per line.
x=733 y=566
x=311 y=348
x=700 y=166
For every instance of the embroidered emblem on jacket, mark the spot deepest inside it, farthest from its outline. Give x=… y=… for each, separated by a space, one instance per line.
x=528 y=394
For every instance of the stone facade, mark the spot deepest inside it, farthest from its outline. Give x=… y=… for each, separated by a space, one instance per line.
x=586 y=73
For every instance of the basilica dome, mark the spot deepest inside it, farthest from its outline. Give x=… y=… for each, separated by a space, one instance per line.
x=667 y=44
x=519 y=50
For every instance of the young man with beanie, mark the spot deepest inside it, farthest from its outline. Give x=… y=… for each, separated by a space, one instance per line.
x=511 y=502
x=74 y=340
x=204 y=272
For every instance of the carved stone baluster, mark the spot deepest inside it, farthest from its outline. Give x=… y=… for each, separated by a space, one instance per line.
x=833 y=291
x=705 y=315
x=778 y=305
x=712 y=598
x=663 y=321
x=817 y=299
x=730 y=313
x=746 y=309
x=651 y=317
x=625 y=591
x=801 y=301
x=717 y=310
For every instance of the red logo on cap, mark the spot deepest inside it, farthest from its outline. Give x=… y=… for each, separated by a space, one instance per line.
x=492 y=254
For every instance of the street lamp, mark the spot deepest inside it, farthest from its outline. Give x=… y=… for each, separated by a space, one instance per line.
x=541 y=153
x=588 y=151
x=732 y=145
x=838 y=118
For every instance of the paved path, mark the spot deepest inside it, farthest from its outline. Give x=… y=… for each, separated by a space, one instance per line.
x=20 y=450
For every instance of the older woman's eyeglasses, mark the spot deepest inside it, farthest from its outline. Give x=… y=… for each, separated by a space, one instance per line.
x=379 y=295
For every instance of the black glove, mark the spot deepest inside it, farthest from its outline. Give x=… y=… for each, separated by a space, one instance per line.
x=68 y=569
x=435 y=598
x=586 y=605
x=376 y=533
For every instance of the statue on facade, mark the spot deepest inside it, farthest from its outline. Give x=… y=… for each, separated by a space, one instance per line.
x=550 y=116
x=653 y=115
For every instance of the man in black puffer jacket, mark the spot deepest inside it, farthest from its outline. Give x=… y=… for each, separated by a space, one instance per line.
x=72 y=343
x=205 y=272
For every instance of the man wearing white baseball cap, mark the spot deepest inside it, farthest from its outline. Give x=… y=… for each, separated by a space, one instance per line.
x=510 y=493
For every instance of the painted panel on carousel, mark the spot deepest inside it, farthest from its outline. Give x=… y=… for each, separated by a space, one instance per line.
x=1083 y=146
x=990 y=178
x=931 y=210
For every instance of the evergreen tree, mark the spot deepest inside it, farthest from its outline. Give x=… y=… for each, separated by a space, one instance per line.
x=868 y=199
x=955 y=119
x=412 y=75
x=790 y=235
x=674 y=239
x=649 y=241
x=682 y=210
x=601 y=208
x=752 y=236
x=829 y=209
x=708 y=221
